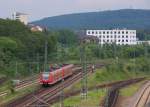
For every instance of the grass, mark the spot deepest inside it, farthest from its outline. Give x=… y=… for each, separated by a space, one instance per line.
x=93 y=99
x=99 y=77
x=102 y=76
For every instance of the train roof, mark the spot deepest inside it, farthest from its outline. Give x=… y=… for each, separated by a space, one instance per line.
x=59 y=69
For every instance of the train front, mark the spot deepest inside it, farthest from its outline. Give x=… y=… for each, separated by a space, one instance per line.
x=45 y=78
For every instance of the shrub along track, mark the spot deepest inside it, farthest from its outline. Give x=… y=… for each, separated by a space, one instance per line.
x=2 y=80
x=42 y=94
x=22 y=84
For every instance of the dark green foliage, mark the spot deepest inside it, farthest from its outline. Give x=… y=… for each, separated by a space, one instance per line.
x=113 y=51
x=18 y=43
x=143 y=34
x=67 y=38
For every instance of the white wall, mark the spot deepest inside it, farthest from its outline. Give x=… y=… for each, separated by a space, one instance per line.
x=120 y=37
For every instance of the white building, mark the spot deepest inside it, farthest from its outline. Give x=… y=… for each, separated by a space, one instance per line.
x=35 y=28
x=117 y=36
x=22 y=17
x=143 y=42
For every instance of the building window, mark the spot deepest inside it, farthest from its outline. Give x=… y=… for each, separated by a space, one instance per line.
x=122 y=32
x=104 y=32
x=111 y=36
x=119 y=32
x=122 y=40
x=111 y=32
x=118 y=36
x=115 y=32
x=126 y=40
x=107 y=40
x=103 y=40
x=126 y=36
x=122 y=36
x=99 y=32
x=107 y=32
x=107 y=36
x=118 y=40
x=89 y=32
x=103 y=36
x=96 y=32
x=92 y=32
x=126 y=32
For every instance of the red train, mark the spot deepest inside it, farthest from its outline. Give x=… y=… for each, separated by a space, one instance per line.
x=49 y=78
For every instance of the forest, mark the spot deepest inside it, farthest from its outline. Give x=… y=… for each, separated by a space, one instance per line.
x=22 y=51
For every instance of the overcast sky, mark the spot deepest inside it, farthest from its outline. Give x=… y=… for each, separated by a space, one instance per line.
x=38 y=9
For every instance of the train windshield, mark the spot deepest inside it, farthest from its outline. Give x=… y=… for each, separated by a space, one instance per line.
x=46 y=75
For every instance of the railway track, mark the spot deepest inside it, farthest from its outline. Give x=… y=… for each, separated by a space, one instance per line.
x=144 y=98
x=48 y=96
x=29 y=97
x=22 y=84
x=27 y=82
x=44 y=96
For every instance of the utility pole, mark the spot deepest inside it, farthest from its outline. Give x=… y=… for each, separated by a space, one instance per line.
x=38 y=62
x=62 y=81
x=146 y=52
x=45 y=56
x=115 y=53
x=134 y=59
x=62 y=94
x=84 y=70
x=16 y=73
x=30 y=68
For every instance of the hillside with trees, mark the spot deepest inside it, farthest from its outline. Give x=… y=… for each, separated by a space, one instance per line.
x=125 y=18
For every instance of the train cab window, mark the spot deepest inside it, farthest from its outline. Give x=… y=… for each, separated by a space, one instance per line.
x=46 y=76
